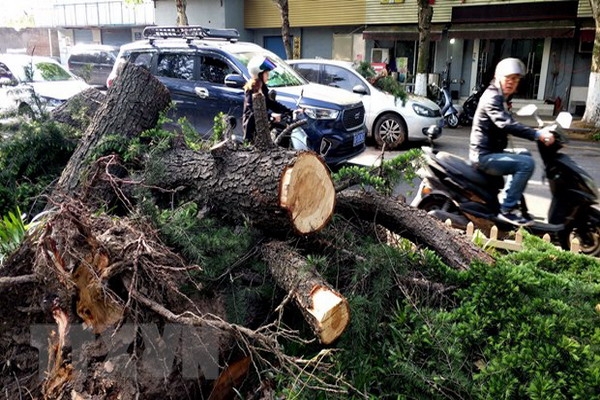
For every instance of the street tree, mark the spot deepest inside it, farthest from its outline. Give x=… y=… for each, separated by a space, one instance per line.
x=592 y=109
x=284 y=9
x=425 y=16
x=181 y=6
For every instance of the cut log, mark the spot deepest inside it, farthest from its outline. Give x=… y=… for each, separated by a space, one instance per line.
x=132 y=105
x=276 y=190
x=262 y=137
x=324 y=308
x=413 y=224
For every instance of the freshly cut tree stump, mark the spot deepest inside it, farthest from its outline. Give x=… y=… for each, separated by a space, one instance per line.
x=307 y=192
x=324 y=308
x=275 y=190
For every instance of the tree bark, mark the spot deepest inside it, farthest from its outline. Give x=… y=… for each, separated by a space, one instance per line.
x=284 y=10
x=275 y=189
x=132 y=105
x=592 y=104
x=80 y=109
x=425 y=15
x=413 y=224
x=182 y=18
x=324 y=308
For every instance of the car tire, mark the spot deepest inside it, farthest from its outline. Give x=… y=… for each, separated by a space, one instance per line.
x=390 y=130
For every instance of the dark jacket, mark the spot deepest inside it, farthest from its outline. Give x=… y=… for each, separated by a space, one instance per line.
x=492 y=124
x=248 y=123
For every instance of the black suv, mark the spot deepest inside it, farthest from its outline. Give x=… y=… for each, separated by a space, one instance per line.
x=205 y=71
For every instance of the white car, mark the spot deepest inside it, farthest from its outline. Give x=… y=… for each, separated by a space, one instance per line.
x=388 y=120
x=31 y=84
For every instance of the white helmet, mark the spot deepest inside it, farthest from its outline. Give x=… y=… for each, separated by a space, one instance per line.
x=509 y=66
x=258 y=64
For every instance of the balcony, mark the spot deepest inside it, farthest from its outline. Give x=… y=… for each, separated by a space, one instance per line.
x=103 y=13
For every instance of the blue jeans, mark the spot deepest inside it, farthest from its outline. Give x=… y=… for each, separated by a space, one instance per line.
x=519 y=165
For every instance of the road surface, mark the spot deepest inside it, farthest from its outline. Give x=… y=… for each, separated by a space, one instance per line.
x=456 y=141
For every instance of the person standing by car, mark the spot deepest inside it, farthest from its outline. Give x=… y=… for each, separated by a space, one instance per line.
x=259 y=67
x=492 y=123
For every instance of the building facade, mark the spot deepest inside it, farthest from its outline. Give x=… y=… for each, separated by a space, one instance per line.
x=554 y=38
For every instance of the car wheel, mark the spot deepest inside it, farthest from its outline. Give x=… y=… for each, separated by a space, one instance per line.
x=390 y=131
x=452 y=121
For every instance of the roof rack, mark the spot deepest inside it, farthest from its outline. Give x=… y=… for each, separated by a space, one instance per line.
x=189 y=32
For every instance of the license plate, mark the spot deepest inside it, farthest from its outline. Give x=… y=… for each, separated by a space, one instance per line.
x=359 y=138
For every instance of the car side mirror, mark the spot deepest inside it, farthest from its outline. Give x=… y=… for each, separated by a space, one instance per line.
x=360 y=89
x=235 y=81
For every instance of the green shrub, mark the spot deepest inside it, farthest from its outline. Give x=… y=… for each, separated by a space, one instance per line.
x=30 y=161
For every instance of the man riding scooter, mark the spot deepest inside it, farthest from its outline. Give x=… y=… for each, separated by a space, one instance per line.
x=492 y=124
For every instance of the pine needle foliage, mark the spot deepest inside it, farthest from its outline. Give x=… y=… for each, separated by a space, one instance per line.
x=385 y=177
x=30 y=161
x=386 y=82
x=525 y=328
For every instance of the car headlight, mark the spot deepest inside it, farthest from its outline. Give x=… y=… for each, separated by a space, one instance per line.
x=423 y=111
x=321 y=113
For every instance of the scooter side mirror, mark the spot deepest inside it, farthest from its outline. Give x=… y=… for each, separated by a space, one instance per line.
x=527 y=111
x=530 y=110
x=564 y=119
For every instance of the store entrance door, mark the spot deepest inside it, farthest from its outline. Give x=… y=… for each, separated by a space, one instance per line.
x=530 y=51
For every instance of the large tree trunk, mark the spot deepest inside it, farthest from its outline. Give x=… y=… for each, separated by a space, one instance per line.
x=425 y=15
x=413 y=224
x=592 y=104
x=276 y=189
x=132 y=105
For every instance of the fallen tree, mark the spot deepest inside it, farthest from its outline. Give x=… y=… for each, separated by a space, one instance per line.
x=117 y=278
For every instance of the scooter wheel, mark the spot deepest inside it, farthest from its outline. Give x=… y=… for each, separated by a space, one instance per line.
x=452 y=121
x=589 y=240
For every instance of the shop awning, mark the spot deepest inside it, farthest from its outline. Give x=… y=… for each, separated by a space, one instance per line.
x=513 y=30
x=400 y=32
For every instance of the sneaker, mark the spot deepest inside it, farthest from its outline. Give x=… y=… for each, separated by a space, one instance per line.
x=514 y=217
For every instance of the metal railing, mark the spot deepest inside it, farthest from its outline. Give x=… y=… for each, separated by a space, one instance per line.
x=103 y=13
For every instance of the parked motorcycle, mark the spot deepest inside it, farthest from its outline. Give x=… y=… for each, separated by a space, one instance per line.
x=465 y=118
x=444 y=100
x=452 y=189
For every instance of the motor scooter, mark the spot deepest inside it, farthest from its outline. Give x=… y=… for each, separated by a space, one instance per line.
x=453 y=189
x=288 y=132
x=449 y=112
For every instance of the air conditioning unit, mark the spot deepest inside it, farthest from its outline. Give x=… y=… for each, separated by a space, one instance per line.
x=379 y=55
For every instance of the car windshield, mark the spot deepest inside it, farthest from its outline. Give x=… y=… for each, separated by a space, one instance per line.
x=282 y=75
x=43 y=71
